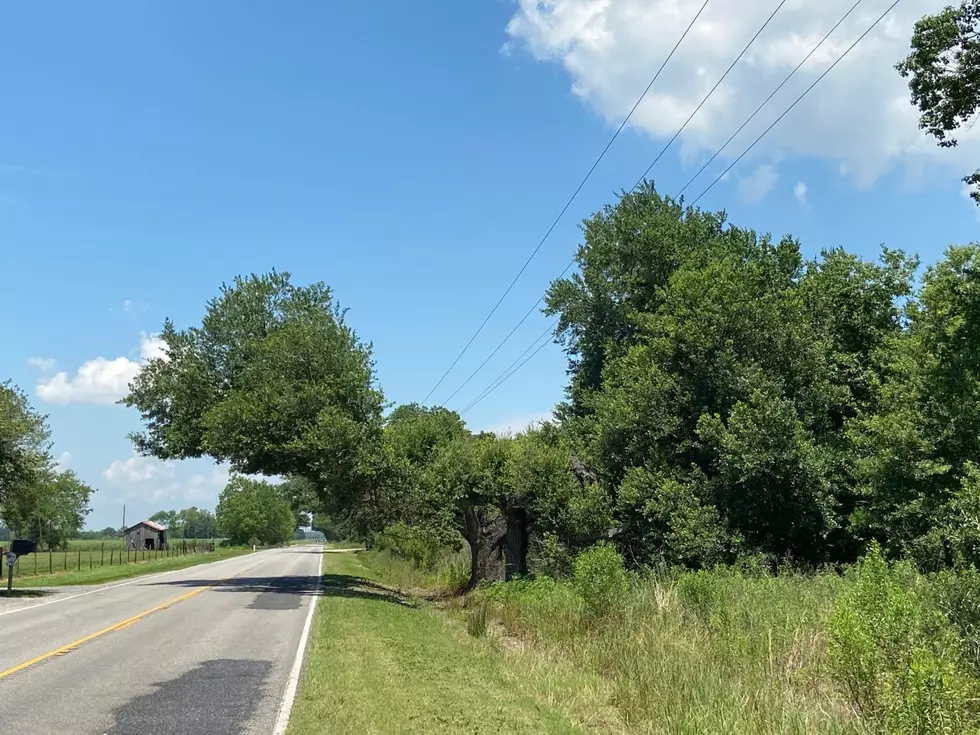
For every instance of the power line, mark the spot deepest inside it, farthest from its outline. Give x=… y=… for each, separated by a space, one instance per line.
x=505 y=339
x=711 y=92
x=508 y=372
x=568 y=203
x=797 y=100
x=639 y=181
x=767 y=99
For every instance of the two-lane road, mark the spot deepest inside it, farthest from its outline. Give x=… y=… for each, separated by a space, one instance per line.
x=207 y=649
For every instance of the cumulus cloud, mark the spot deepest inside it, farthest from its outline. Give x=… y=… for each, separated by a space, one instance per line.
x=63 y=462
x=860 y=116
x=171 y=482
x=44 y=364
x=755 y=187
x=100 y=380
x=799 y=191
x=137 y=469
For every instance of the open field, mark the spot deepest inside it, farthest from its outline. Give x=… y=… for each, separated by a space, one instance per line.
x=92 y=572
x=85 y=556
x=95 y=544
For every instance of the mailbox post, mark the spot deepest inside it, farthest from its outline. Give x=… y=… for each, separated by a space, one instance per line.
x=18 y=547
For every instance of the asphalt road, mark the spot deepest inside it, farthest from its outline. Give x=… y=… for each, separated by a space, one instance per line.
x=206 y=650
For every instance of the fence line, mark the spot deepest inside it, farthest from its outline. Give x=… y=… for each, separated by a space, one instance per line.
x=36 y=566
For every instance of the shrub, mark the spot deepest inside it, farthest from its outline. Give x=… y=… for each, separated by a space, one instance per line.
x=423 y=547
x=896 y=655
x=957 y=594
x=600 y=579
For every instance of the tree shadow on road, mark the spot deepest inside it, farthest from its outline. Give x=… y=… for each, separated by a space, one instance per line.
x=275 y=592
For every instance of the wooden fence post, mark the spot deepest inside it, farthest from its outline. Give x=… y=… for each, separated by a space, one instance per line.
x=50 y=561
x=111 y=550
x=79 y=560
x=102 y=560
x=66 y=560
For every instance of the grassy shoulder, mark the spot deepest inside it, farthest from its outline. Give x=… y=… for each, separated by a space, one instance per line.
x=382 y=663
x=103 y=574
x=880 y=649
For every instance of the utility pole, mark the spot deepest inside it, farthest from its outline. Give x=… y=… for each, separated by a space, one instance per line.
x=124 y=526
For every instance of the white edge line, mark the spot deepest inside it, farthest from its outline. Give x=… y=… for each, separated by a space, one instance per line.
x=105 y=588
x=282 y=720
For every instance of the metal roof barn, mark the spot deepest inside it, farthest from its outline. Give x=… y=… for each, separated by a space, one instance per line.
x=146 y=535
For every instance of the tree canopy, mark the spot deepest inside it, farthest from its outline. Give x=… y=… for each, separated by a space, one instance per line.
x=37 y=500
x=943 y=69
x=273 y=381
x=253 y=512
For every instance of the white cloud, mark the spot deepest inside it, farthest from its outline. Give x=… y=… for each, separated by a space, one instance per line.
x=138 y=469
x=753 y=188
x=859 y=116
x=517 y=424
x=100 y=380
x=63 y=462
x=152 y=346
x=799 y=191
x=966 y=190
x=44 y=364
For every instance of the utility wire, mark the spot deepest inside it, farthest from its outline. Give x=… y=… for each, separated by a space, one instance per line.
x=772 y=94
x=797 y=100
x=508 y=372
x=568 y=203
x=639 y=181
x=707 y=96
x=509 y=335
x=504 y=376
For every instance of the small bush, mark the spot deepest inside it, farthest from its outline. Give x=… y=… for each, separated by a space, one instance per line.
x=896 y=655
x=551 y=557
x=423 y=547
x=600 y=579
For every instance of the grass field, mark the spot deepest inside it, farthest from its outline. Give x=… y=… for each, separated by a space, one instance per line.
x=92 y=572
x=378 y=663
x=95 y=544
x=86 y=555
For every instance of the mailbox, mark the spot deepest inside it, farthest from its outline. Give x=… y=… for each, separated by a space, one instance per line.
x=23 y=546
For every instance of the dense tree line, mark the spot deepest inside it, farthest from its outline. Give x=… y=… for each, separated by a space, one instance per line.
x=727 y=396
x=37 y=500
x=190 y=522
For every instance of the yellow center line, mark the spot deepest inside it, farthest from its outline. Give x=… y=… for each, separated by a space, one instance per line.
x=92 y=636
x=117 y=626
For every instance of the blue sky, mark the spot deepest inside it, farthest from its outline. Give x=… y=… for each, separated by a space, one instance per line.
x=411 y=155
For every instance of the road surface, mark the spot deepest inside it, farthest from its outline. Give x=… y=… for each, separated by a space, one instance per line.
x=208 y=650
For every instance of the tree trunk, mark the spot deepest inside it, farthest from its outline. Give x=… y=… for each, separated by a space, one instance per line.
x=515 y=543
x=484 y=538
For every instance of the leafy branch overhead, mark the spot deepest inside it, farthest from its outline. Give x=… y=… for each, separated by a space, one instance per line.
x=943 y=69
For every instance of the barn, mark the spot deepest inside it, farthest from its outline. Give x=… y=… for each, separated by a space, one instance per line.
x=146 y=535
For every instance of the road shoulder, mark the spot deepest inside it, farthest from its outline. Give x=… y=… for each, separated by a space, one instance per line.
x=381 y=663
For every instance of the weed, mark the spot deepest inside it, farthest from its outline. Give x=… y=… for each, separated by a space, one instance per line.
x=477 y=616
x=896 y=655
x=600 y=579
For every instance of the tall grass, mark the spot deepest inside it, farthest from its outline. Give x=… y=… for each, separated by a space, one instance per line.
x=699 y=653
x=879 y=649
